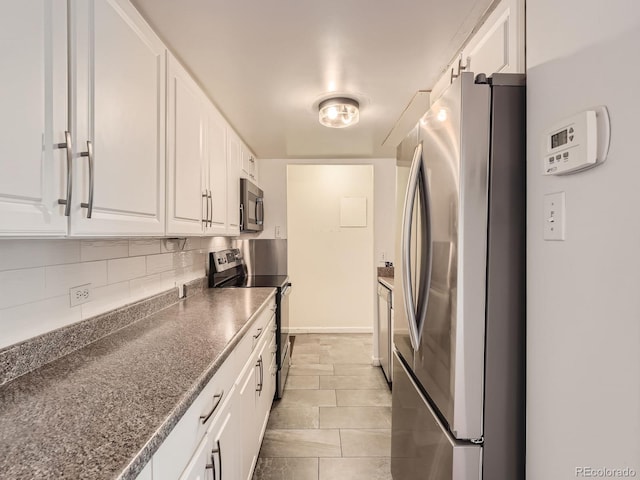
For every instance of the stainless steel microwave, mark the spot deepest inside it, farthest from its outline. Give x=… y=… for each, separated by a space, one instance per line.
x=251 y=207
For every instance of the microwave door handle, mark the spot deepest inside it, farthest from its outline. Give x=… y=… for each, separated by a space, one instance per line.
x=260 y=211
x=241 y=216
x=407 y=217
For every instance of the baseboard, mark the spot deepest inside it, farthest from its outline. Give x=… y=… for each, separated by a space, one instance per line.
x=300 y=330
x=375 y=361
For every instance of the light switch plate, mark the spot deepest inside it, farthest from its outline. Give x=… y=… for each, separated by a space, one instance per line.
x=554 y=216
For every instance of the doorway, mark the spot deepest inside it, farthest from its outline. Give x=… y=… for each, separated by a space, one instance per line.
x=330 y=247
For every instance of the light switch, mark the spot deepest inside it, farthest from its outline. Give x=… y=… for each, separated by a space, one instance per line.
x=554 y=216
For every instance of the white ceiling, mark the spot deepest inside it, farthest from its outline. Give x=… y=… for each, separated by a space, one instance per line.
x=267 y=64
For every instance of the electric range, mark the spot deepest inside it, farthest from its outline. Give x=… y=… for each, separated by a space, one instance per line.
x=228 y=269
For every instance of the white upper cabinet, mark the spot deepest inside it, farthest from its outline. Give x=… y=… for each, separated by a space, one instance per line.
x=234 y=162
x=497 y=46
x=202 y=170
x=118 y=121
x=33 y=117
x=216 y=167
x=187 y=199
x=94 y=143
x=249 y=167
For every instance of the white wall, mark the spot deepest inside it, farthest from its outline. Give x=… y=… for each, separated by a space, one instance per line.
x=331 y=265
x=583 y=379
x=273 y=180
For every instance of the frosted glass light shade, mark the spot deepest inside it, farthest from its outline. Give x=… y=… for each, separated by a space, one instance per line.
x=339 y=112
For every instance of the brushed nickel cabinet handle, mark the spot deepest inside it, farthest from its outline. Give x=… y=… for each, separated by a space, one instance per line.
x=259 y=386
x=210 y=199
x=205 y=219
x=219 y=452
x=67 y=201
x=89 y=154
x=218 y=398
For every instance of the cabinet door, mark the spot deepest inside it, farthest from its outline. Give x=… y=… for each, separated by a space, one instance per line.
x=33 y=117
x=233 y=171
x=217 y=171
x=118 y=104
x=498 y=46
x=186 y=190
x=248 y=164
x=265 y=386
x=217 y=456
x=247 y=405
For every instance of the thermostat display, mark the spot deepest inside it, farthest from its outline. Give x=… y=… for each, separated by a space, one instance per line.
x=577 y=143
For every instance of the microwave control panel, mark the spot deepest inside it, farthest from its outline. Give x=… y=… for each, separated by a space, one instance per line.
x=576 y=143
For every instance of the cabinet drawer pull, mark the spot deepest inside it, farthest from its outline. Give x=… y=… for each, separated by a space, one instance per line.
x=89 y=154
x=67 y=201
x=257 y=335
x=218 y=398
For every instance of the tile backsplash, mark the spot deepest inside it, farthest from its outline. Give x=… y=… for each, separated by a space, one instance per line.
x=36 y=275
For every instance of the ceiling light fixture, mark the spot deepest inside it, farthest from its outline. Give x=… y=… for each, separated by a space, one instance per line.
x=339 y=112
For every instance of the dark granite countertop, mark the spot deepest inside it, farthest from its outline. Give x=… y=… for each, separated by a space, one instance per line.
x=102 y=411
x=387 y=282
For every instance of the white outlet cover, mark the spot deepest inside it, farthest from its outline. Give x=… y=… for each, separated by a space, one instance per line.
x=554 y=216
x=80 y=294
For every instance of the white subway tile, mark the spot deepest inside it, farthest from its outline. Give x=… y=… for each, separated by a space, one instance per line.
x=59 y=279
x=16 y=254
x=103 y=249
x=211 y=244
x=27 y=321
x=180 y=245
x=183 y=259
x=106 y=298
x=146 y=287
x=159 y=263
x=147 y=246
x=126 y=269
x=170 y=278
x=21 y=286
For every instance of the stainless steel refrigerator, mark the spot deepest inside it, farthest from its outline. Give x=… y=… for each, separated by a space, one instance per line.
x=459 y=318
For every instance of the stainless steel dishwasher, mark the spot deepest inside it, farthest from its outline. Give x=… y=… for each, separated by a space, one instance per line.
x=384 y=329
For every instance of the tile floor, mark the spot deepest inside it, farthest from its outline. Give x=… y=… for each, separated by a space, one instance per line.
x=334 y=420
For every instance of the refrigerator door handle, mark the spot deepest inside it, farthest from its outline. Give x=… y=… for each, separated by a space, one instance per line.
x=427 y=244
x=405 y=239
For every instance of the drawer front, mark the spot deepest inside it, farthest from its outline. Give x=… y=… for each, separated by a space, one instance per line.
x=174 y=453
x=256 y=333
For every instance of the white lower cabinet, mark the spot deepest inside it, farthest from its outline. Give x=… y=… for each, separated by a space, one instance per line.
x=216 y=456
x=219 y=435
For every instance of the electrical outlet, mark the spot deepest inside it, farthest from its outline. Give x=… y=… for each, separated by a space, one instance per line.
x=80 y=295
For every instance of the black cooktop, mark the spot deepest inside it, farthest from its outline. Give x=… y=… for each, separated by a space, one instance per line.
x=249 y=281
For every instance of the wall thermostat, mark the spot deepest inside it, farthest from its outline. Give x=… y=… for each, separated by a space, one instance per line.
x=577 y=143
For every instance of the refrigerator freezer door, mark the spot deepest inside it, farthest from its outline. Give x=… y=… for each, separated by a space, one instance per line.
x=421 y=447
x=450 y=361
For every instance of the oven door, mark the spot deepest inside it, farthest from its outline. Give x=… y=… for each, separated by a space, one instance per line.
x=251 y=207
x=283 y=339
